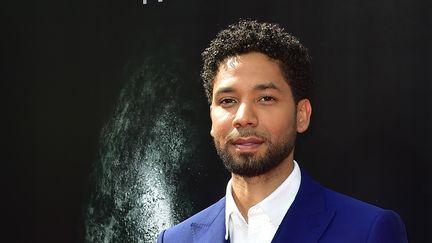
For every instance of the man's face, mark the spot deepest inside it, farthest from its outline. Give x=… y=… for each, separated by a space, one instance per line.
x=254 y=117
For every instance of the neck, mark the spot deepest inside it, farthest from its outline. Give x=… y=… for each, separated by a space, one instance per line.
x=249 y=191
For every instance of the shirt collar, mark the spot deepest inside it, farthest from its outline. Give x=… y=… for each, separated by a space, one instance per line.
x=275 y=205
x=230 y=207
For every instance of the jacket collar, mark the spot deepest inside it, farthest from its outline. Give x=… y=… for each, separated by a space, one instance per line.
x=308 y=217
x=305 y=221
x=211 y=227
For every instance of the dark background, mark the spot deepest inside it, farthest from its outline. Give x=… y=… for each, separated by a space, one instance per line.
x=371 y=131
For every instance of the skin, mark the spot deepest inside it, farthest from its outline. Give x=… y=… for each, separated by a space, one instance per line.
x=250 y=92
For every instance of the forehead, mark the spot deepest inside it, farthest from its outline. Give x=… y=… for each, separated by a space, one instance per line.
x=251 y=68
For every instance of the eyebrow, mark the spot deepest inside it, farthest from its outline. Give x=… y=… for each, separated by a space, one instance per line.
x=223 y=90
x=263 y=86
x=268 y=85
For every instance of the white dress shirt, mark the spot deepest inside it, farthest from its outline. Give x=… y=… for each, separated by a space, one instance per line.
x=265 y=217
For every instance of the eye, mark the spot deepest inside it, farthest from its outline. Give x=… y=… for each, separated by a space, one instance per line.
x=267 y=99
x=226 y=102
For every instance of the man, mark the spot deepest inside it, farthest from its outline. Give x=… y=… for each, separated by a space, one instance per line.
x=257 y=78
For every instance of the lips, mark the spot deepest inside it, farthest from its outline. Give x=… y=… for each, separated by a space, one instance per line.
x=247 y=144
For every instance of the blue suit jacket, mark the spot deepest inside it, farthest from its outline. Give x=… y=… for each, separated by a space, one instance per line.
x=316 y=215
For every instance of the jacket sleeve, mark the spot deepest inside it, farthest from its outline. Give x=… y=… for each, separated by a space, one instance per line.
x=160 y=237
x=387 y=228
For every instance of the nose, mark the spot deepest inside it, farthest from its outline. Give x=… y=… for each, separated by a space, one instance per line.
x=245 y=116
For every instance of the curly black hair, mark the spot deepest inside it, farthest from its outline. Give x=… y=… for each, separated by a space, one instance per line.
x=270 y=39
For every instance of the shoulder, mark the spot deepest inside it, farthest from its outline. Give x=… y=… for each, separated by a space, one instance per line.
x=349 y=205
x=343 y=205
x=182 y=232
x=351 y=220
x=363 y=220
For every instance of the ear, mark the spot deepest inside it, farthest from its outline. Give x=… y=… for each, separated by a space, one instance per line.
x=211 y=130
x=304 y=111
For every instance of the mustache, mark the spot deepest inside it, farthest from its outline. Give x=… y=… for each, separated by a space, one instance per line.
x=245 y=132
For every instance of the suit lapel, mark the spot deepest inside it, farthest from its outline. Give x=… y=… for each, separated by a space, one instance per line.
x=308 y=217
x=305 y=221
x=211 y=228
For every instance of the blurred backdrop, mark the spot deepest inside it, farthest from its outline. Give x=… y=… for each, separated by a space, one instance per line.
x=107 y=128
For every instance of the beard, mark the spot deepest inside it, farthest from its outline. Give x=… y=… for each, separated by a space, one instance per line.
x=250 y=164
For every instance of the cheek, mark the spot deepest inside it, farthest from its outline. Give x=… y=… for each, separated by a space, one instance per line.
x=280 y=124
x=221 y=123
